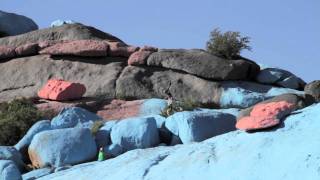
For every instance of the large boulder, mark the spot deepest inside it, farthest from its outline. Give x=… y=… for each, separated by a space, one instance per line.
x=235 y=155
x=98 y=74
x=121 y=109
x=13 y=24
x=120 y=49
x=313 y=89
x=61 y=147
x=73 y=117
x=142 y=83
x=87 y=48
x=139 y=58
x=199 y=126
x=102 y=136
x=23 y=144
x=269 y=113
x=280 y=77
x=9 y=171
x=65 y=32
x=203 y=64
x=61 y=90
x=11 y=153
x=134 y=133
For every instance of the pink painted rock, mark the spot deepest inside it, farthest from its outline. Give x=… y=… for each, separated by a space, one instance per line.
x=7 y=52
x=118 y=49
x=56 y=106
x=149 y=48
x=119 y=109
x=265 y=115
x=88 y=48
x=61 y=90
x=27 y=49
x=139 y=58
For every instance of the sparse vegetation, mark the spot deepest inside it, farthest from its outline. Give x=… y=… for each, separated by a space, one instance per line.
x=96 y=126
x=227 y=45
x=178 y=106
x=16 y=117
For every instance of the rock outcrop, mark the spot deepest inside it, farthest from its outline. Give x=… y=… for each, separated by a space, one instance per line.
x=295 y=143
x=203 y=64
x=13 y=24
x=9 y=171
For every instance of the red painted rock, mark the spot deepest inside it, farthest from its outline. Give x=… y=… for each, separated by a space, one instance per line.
x=119 y=109
x=88 y=48
x=27 y=49
x=118 y=49
x=139 y=58
x=61 y=90
x=7 y=52
x=149 y=48
x=56 y=107
x=265 y=115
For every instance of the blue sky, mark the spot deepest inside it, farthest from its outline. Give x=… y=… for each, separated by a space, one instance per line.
x=285 y=33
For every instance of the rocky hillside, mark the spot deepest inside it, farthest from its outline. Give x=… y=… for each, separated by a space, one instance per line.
x=229 y=119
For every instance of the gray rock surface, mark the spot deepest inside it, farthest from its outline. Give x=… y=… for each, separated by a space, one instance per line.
x=65 y=32
x=203 y=64
x=142 y=83
x=313 y=89
x=25 y=76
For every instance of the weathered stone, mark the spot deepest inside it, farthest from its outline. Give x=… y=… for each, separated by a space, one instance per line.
x=139 y=58
x=23 y=77
x=9 y=171
x=7 y=52
x=12 y=154
x=142 y=83
x=60 y=90
x=13 y=24
x=313 y=89
x=87 y=48
x=119 y=49
x=27 y=49
x=65 y=32
x=203 y=64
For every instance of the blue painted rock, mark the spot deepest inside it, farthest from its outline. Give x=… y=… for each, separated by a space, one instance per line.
x=199 y=126
x=62 y=147
x=280 y=77
x=11 y=153
x=103 y=135
x=296 y=144
x=24 y=143
x=60 y=22
x=120 y=109
x=9 y=171
x=35 y=174
x=135 y=133
x=73 y=117
x=13 y=24
x=113 y=150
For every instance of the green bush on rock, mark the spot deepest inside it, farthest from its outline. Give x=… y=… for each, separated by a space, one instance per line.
x=16 y=117
x=227 y=45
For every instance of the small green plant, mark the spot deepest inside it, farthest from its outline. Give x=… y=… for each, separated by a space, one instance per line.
x=96 y=126
x=16 y=117
x=178 y=106
x=227 y=45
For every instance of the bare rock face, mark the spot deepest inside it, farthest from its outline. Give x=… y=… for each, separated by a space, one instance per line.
x=148 y=82
x=313 y=89
x=119 y=49
x=6 y=52
x=27 y=49
x=89 y=48
x=65 y=32
x=24 y=77
x=202 y=64
x=139 y=58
